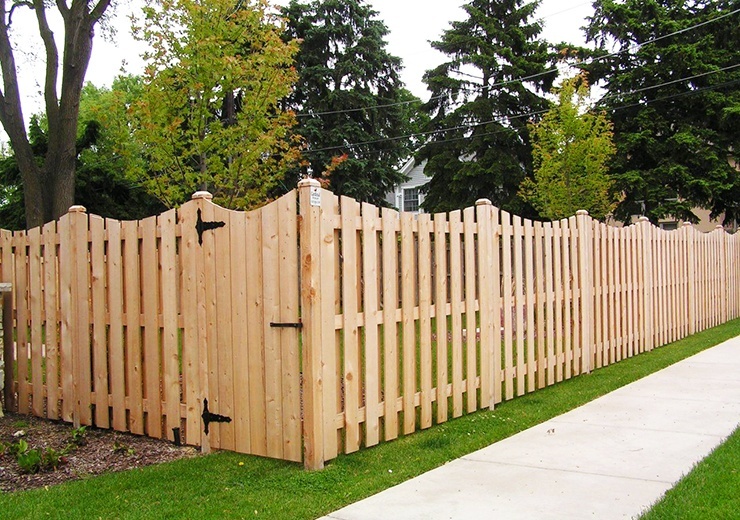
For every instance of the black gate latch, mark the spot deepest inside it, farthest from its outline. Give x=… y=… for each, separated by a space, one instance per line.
x=201 y=226
x=209 y=417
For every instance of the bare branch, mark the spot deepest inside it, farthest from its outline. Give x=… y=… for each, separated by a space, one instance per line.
x=16 y=5
x=63 y=8
x=52 y=61
x=100 y=9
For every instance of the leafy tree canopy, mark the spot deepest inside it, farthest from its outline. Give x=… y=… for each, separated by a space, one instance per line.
x=355 y=114
x=481 y=100
x=105 y=157
x=671 y=71
x=571 y=150
x=209 y=115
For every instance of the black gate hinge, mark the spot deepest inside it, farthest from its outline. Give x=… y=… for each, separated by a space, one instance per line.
x=201 y=226
x=209 y=417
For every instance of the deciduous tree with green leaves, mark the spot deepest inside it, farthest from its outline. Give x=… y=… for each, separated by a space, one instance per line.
x=481 y=100
x=210 y=115
x=355 y=113
x=571 y=147
x=671 y=70
x=108 y=159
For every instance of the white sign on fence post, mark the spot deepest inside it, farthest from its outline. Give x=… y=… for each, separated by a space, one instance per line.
x=315 y=196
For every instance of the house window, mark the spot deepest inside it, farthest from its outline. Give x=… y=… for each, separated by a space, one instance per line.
x=411 y=199
x=670 y=225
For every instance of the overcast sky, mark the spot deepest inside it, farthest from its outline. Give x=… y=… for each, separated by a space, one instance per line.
x=412 y=24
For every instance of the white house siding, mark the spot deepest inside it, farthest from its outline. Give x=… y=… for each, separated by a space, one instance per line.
x=417 y=178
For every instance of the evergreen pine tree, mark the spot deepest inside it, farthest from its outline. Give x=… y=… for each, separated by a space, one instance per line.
x=481 y=102
x=671 y=70
x=353 y=110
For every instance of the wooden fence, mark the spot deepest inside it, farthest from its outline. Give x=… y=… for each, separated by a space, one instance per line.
x=317 y=325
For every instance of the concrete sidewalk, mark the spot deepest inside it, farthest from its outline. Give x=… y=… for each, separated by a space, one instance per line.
x=611 y=458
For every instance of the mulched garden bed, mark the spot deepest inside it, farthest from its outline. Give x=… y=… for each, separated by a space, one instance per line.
x=95 y=451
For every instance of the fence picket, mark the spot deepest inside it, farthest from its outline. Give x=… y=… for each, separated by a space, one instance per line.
x=22 y=351
x=170 y=329
x=99 y=326
x=132 y=291
x=409 y=282
x=531 y=293
x=370 y=226
x=350 y=281
x=521 y=354
x=289 y=313
x=390 y=221
x=507 y=273
x=115 y=332
x=558 y=283
x=35 y=296
x=471 y=298
x=425 y=318
x=456 y=270
x=225 y=346
x=440 y=312
x=150 y=305
x=51 y=261
x=539 y=289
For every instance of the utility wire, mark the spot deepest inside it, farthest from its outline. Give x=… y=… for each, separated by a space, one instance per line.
x=503 y=119
x=613 y=109
x=524 y=78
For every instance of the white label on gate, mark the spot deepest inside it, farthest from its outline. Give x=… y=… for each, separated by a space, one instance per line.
x=315 y=196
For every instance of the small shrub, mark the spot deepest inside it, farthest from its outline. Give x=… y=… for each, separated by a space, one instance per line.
x=4 y=448
x=30 y=461
x=78 y=435
x=51 y=459
x=119 y=447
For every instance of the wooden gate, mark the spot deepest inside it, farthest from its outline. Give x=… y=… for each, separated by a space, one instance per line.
x=241 y=352
x=179 y=326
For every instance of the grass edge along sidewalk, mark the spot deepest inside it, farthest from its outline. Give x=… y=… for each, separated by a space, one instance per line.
x=230 y=485
x=710 y=490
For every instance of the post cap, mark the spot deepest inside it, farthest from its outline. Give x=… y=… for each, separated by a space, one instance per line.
x=202 y=195
x=309 y=182
x=483 y=202
x=582 y=212
x=77 y=209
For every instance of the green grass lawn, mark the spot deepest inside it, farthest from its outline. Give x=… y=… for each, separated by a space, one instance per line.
x=711 y=490
x=229 y=485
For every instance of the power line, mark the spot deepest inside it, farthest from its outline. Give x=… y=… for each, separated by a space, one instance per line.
x=524 y=78
x=503 y=119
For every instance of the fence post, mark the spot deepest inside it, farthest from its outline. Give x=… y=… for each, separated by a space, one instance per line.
x=79 y=317
x=309 y=200
x=585 y=275
x=487 y=274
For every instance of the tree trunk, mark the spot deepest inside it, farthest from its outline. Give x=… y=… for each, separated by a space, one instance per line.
x=49 y=189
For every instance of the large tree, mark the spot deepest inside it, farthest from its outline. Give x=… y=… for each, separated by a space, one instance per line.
x=481 y=101
x=108 y=159
x=49 y=182
x=670 y=72
x=571 y=146
x=355 y=114
x=209 y=115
